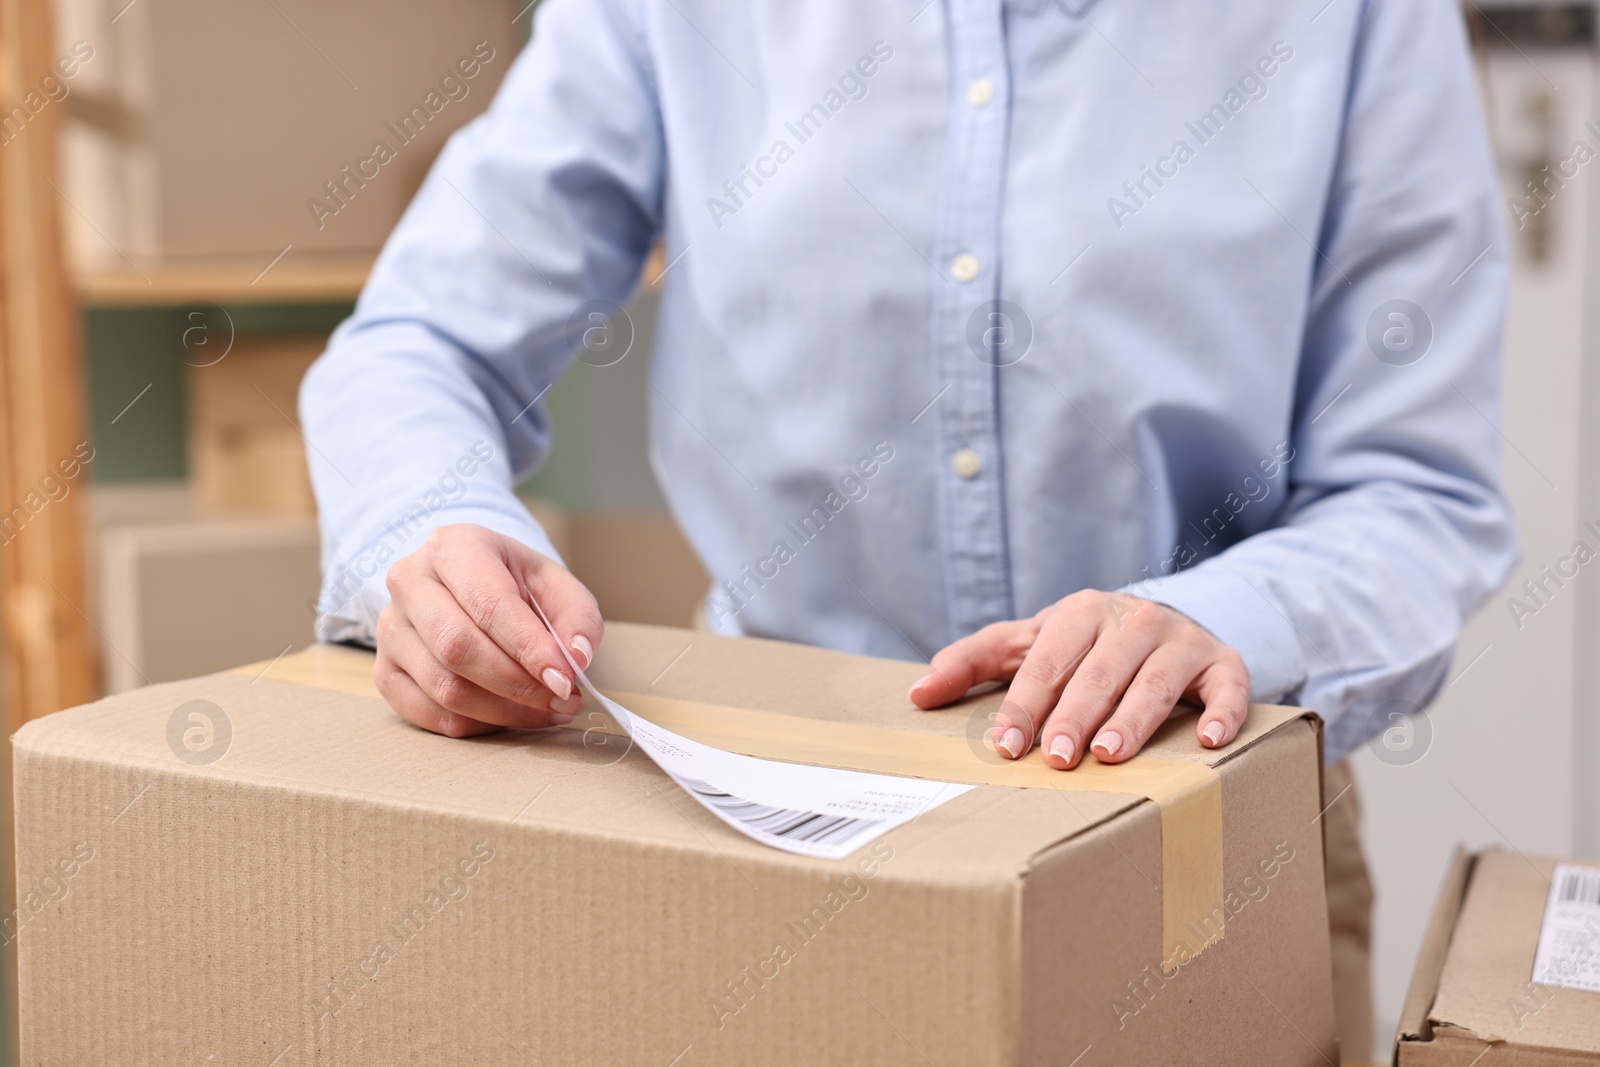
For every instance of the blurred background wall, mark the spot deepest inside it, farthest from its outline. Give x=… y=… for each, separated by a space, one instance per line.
x=1510 y=753
x=193 y=139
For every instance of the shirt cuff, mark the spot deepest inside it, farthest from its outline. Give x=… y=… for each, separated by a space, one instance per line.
x=355 y=590
x=1238 y=613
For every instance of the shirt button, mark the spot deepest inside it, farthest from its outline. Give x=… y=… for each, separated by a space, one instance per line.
x=980 y=92
x=967 y=463
x=964 y=267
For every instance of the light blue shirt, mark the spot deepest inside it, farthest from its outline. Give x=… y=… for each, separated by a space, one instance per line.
x=969 y=305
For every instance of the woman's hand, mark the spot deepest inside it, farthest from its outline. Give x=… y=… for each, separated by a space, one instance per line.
x=1071 y=664
x=460 y=652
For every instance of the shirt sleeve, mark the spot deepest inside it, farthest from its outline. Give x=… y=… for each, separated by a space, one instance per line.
x=1395 y=527
x=535 y=219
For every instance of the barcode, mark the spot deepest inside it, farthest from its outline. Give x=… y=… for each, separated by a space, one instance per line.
x=1580 y=885
x=792 y=824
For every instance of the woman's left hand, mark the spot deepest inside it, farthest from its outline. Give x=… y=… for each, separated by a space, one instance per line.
x=1104 y=665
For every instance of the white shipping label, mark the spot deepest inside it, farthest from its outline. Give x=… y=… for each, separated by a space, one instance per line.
x=1569 y=937
x=801 y=808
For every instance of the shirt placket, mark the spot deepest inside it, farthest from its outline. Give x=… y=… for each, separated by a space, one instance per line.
x=967 y=253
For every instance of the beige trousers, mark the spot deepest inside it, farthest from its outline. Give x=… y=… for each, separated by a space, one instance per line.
x=1349 y=914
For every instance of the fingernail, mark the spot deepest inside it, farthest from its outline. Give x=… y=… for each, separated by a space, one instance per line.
x=1062 y=748
x=558 y=719
x=1214 y=732
x=568 y=706
x=1109 y=743
x=920 y=682
x=582 y=650
x=556 y=682
x=1010 y=741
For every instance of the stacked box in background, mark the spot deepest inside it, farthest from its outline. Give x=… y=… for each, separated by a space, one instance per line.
x=245 y=448
x=176 y=597
x=205 y=131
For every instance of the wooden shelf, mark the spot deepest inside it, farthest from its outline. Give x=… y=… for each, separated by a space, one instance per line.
x=233 y=281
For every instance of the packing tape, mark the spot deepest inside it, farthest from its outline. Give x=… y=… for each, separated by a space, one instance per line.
x=1188 y=793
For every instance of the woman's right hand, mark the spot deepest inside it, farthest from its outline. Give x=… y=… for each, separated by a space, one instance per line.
x=461 y=652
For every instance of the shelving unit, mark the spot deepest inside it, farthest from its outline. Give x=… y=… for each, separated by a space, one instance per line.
x=289 y=280
x=86 y=353
x=49 y=318
x=50 y=661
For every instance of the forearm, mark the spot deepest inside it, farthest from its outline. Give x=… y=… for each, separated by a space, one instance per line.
x=1356 y=603
x=1395 y=529
x=425 y=408
x=443 y=459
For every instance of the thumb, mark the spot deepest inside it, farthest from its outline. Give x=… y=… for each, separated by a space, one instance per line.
x=992 y=654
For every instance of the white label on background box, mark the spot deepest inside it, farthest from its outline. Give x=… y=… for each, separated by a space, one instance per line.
x=1569 y=937
x=797 y=807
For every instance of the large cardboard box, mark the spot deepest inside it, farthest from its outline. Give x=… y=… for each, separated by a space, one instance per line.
x=1473 y=998
x=268 y=866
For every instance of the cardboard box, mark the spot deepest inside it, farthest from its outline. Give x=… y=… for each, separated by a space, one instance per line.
x=245 y=449
x=207 y=131
x=170 y=596
x=638 y=566
x=275 y=869
x=1472 y=998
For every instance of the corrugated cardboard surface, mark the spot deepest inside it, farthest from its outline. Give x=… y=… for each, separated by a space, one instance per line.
x=1188 y=792
x=1477 y=961
x=1414 y=1022
x=339 y=887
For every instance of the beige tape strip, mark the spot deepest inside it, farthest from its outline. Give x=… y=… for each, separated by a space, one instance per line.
x=1189 y=794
